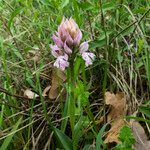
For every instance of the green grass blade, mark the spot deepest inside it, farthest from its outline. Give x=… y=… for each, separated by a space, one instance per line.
x=64 y=3
x=9 y=138
x=99 y=140
x=145 y=110
x=64 y=140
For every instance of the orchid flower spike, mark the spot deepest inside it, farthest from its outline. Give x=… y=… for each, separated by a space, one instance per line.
x=68 y=37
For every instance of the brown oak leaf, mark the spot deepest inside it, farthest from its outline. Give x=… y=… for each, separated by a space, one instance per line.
x=117 y=104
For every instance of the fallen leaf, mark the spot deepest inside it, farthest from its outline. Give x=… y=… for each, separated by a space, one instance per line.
x=46 y=90
x=113 y=133
x=58 y=77
x=29 y=94
x=142 y=142
x=117 y=104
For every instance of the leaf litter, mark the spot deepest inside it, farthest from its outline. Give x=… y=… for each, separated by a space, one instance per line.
x=118 y=108
x=58 y=77
x=117 y=104
x=29 y=94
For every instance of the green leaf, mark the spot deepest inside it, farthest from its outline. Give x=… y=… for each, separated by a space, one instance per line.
x=18 y=54
x=84 y=98
x=64 y=3
x=99 y=140
x=108 y=6
x=78 y=132
x=89 y=147
x=127 y=31
x=77 y=67
x=127 y=139
x=81 y=93
x=98 y=43
x=2 y=114
x=76 y=12
x=65 y=141
x=138 y=119
x=10 y=136
x=14 y=14
x=65 y=115
x=126 y=135
x=145 y=110
x=85 y=5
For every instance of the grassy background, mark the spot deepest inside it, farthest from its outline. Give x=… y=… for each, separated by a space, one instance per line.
x=119 y=32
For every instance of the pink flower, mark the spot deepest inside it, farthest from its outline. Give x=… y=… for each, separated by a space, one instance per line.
x=78 y=38
x=57 y=41
x=87 y=56
x=69 y=32
x=67 y=49
x=56 y=51
x=62 y=62
x=66 y=39
x=84 y=47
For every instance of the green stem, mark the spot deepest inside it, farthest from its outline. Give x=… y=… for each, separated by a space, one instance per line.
x=71 y=93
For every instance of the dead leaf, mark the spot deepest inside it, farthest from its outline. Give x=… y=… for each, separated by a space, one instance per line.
x=118 y=109
x=46 y=90
x=113 y=133
x=140 y=136
x=58 y=77
x=29 y=94
x=117 y=104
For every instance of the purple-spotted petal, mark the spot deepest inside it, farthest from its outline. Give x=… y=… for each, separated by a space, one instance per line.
x=56 y=51
x=57 y=40
x=62 y=62
x=78 y=38
x=88 y=58
x=84 y=47
x=65 y=57
x=67 y=49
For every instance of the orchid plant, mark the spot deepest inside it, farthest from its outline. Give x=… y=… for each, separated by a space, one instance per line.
x=66 y=49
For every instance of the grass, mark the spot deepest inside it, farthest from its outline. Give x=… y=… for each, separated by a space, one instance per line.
x=119 y=34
